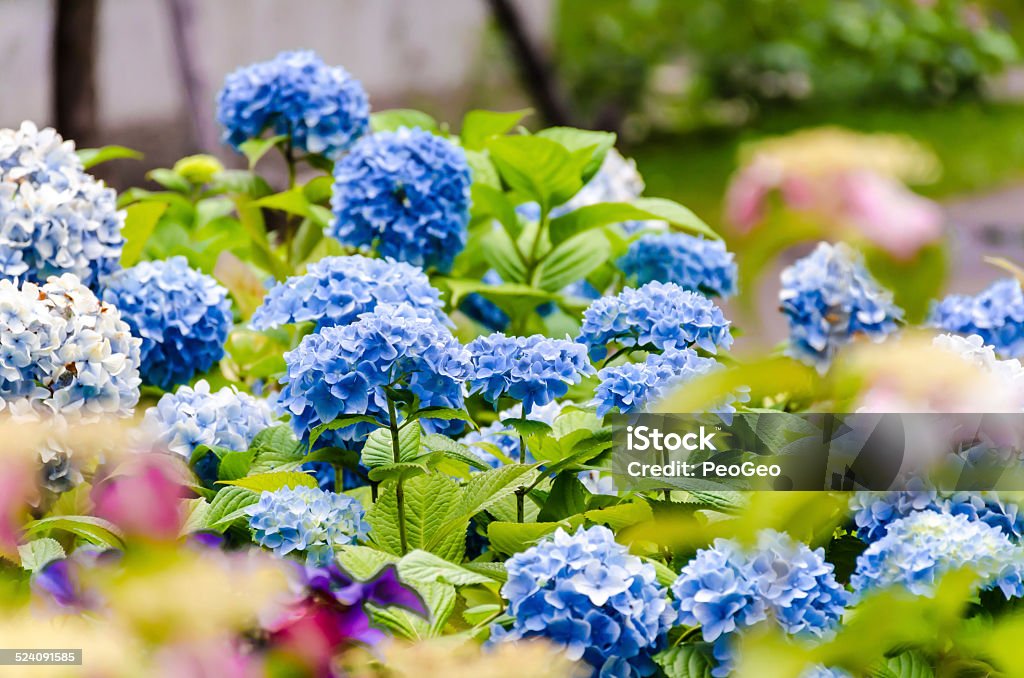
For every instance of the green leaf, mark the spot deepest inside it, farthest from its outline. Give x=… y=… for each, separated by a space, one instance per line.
x=295 y=202
x=319 y=189
x=572 y=260
x=342 y=421
x=479 y=126
x=509 y=538
x=275 y=447
x=241 y=182
x=429 y=499
x=251 y=218
x=235 y=465
x=453 y=449
x=255 y=149
x=602 y=214
x=390 y=120
x=38 y=553
x=363 y=562
x=539 y=169
x=424 y=567
x=621 y=515
x=94 y=530
x=595 y=144
x=245 y=286
x=196 y=513
x=229 y=505
x=527 y=427
x=169 y=179
x=567 y=497
x=442 y=414
x=270 y=482
x=403 y=470
x=489 y=201
x=512 y=298
x=91 y=157
x=440 y=601
x=685 y=661
x=504 y=257
x=379 y=449
x=483 y=171
x=905 y=665
x=139 y=223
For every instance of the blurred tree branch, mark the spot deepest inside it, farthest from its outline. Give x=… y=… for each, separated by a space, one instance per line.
x=182 y=16
x=535 y=73
x=74 y=69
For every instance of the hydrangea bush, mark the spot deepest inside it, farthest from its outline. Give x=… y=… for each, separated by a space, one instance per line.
x=331 y=454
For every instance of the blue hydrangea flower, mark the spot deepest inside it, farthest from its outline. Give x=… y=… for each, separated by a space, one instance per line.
x=824 y=672
x=658 y=316
x=54 y=217
x=726 y=588
x=631 y=386
x=533 y=370
x=182 y=316
x=691 y=262
x=322 y=108
x=587 y=594
x=919 y=549
x=875 y=511
x=996 y=315
x=829 y=298
x=63 y=351
x=337 y=290
x=194 y=416
x=307 y=519
x=343 y=370
x=405 y=192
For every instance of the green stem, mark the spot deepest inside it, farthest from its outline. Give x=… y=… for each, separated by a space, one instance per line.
x=399 y=489
x=521 y=492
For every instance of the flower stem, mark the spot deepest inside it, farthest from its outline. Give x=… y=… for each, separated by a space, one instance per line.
x=521 y=492
x=399 y=489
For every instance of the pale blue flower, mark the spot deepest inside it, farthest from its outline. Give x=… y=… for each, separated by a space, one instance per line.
x=995 y=314
x=689 y=261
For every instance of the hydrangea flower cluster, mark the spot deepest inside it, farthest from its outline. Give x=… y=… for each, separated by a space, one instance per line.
x=829 y=298
x=689 y=261
x=337 y=290
x=726 y=588
x=918 y=550
x=589 y=595
x=533 y=370
x=63 y=351
x=973 y=349
x=631 y=386
x=343 y=370
x=182 y=316
x=321 y=108
x=875 y=511
x=996 y=315
x=407 y=192
x=194 y=416
x=55 y=218
x=307 y=519
x=657 y=315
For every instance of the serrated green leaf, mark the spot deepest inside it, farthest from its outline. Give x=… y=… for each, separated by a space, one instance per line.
x=379 y=448
x=572 y=261
x=273 y=481
x=453 y=449
x=905 y=665
x=424 y=567
x=567 y=497
x=196 y=513
x=363 y=562
x=402 y=470
x=139 y=223
x=527 y=427
x=342 y=421
x=509 y=537
x=501 y=253
x=685 y=661
x=440 y=601
x=429 y=500
x=235 y=465
x=621 y=515
x=38 y=553
x=603 y=214
x=229 y=505
x=442 y=414
x=91 y=157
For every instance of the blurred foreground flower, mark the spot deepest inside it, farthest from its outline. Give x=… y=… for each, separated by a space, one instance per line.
x=142 y=496
x=852 y=182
